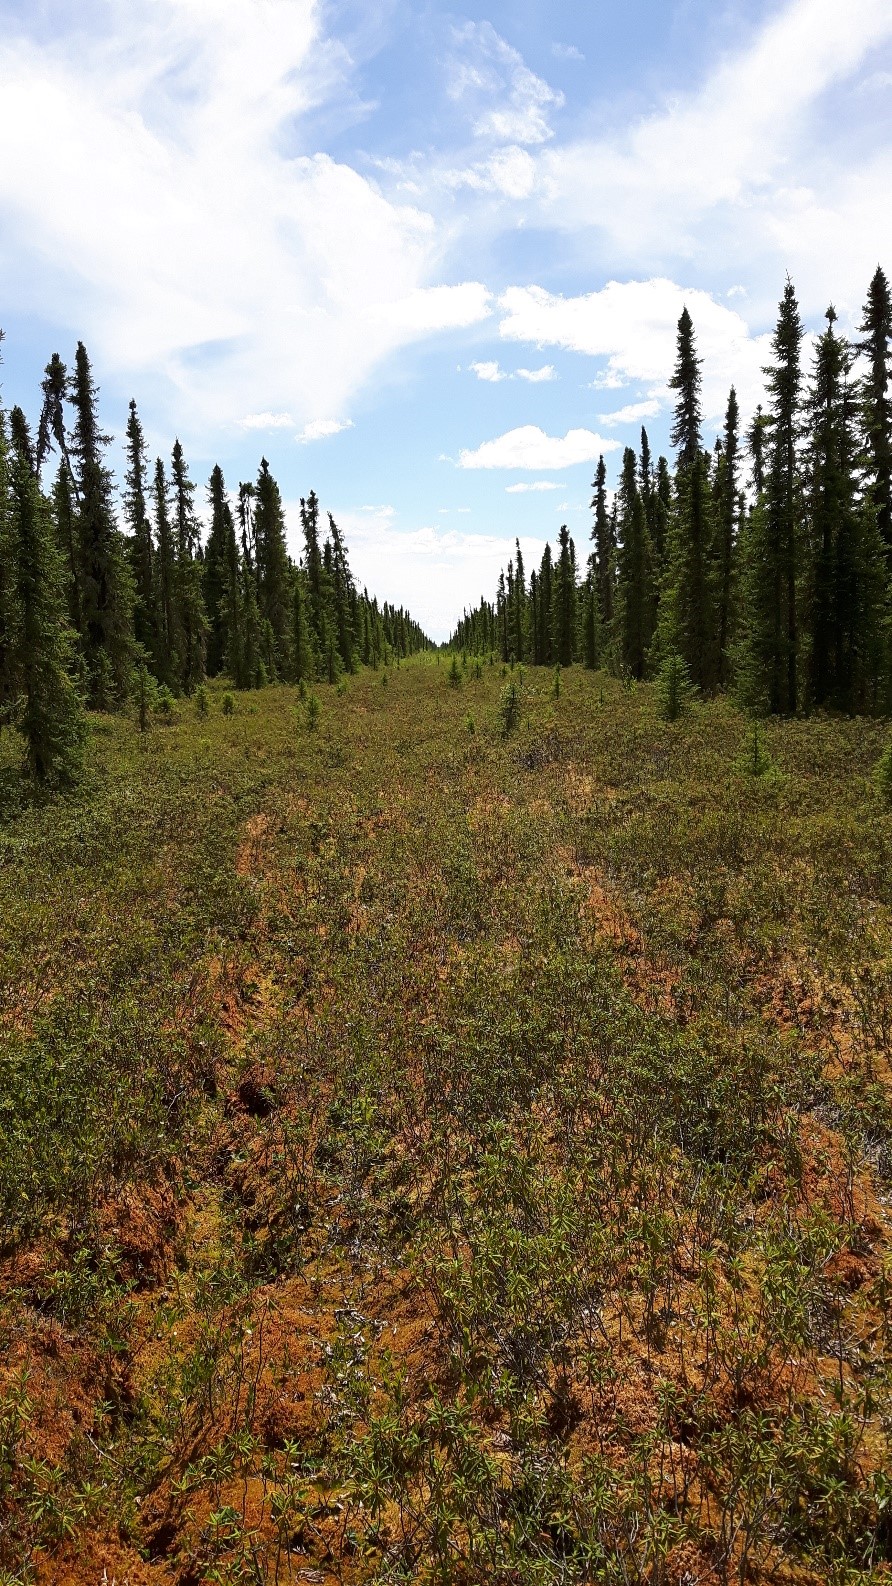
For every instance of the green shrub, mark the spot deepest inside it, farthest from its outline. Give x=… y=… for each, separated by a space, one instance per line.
x=228 y=705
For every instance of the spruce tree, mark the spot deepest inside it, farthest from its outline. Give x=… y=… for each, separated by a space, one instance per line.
x=726 y=506
x=604 y=539
x=784 y=500
x=564 y=621
x=191 y=613
x=876 y=329
x=686 y=383
x=106 y=596
x=520 y=602
x=168 y=644
x=50 y=718
x=688 y=615
x=274 y=596
x=635 y=613
x=140 y=547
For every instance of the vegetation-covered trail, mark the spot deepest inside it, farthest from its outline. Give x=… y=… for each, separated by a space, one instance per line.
x=441 y=1156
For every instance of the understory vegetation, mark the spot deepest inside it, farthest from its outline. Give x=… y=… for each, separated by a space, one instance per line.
x=445 y=1136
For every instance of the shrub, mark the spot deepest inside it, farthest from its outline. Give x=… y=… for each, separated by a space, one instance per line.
x=883 y=773
x=202 y=703
x=228 y=706
x=312 y=713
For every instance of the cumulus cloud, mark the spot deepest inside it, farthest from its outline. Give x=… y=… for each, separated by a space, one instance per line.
x=492 y=372
x=537 y=376
x=633 y=414
x=530 y=447
x=156 y=192
x=534 y=485
x=633 y=325
x=322 y=429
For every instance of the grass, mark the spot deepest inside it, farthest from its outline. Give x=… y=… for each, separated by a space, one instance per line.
x=449 y=1156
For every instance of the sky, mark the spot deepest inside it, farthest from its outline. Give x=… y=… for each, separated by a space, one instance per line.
x=430 y=261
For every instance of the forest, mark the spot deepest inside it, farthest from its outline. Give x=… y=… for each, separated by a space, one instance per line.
x=446 y=1091
x=779 y=593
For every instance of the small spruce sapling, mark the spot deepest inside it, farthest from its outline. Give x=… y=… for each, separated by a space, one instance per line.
x=556 y=686
x=454 y=674
x=202 y=703
x=228 y=704
x=312 y=713
x=509 y=708
x=674 y=688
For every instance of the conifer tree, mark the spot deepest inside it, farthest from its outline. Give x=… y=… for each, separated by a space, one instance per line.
x=192 y=619
x=726 y=506
x=635 y=614
x=274 y=596
x=564 y=621
x=51 y=719
x=604 y=539
x=876 y=329
x=169 y=648
x=309 y=520
x=546 y=645
x=343 y=593
x=140 y=547
x=686 y=383
x=221 y=584
x=688 y=617
x=783 y=499
x=106 y=596
x=520 y=601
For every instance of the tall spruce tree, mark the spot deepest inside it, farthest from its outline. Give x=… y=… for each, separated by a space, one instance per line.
x=635 y=613
x=192 y=618
x=784 y=498
x=726 y=499
x=604 y=539
x=274 y=595
x=564 y=597
x=140 y=546
x=876 y=329
x=688 y=617
x=106 y=596
x=168 y=644
x=50 y=718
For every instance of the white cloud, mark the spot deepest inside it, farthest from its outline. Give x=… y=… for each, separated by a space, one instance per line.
x=156 y=192
x=633 y=414
x=322 y=429
x=434 y=570
x=510 y=172
x=530 y=447
x=537 y=376
x=735 y=151
x=266 y=421
x=491 y=372
x=633 y=324
x=486 y=69
x=536 y=485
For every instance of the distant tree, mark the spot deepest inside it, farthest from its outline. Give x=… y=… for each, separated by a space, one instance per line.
x=274 y=596
x=726 y=502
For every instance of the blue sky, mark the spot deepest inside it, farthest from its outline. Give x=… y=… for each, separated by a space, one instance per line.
x=430 y=261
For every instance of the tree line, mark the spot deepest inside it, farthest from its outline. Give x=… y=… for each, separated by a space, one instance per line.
x=776 y=587
x=94 y=602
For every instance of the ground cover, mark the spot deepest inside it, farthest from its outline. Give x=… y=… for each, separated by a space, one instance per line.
x=435 y=1153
